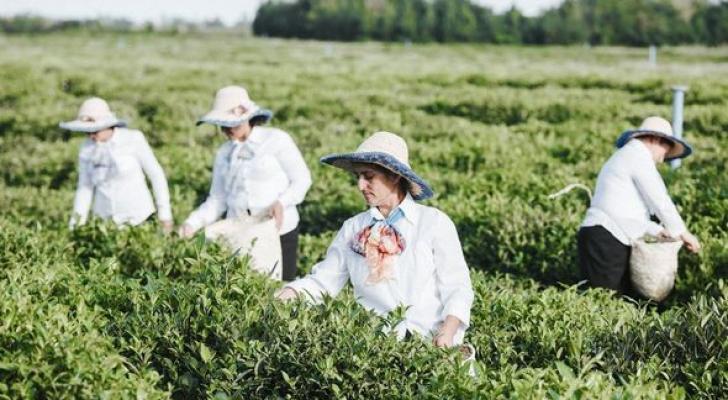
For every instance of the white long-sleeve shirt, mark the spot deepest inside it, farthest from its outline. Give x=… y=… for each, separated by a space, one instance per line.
x=629 y=189
x=111 y=175
x=252 y=175
x=430 y=276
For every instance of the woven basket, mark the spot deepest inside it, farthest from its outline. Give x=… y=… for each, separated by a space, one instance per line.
x=253 y=236
x=653 y=266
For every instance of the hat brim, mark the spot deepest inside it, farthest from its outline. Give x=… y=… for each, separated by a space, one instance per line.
x=91 y=127
x=229 y=120
x=681 y=148
x=419 y=189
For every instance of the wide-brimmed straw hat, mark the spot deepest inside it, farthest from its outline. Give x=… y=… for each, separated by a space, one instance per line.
x=232 y=107
x=660 y=127
x=93 y=116
x=388 y=151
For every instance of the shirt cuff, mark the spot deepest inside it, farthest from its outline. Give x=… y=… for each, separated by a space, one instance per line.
x=308 y=287
x=677 y=232
x=286 y=200
x=76 y=220
x=193 y=223
x=458 y=309
x=654 y=229
x=676 y=228
x=164 y=214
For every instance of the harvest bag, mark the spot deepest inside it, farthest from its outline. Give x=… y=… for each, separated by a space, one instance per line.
x=254 y=236
x=653 y=266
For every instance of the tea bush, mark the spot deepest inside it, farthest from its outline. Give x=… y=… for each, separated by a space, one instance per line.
x=124 y=313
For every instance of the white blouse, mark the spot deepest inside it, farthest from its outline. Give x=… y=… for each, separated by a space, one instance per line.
x=431 y=276
x=250 y=176
x=111 y=175
x=629 y=189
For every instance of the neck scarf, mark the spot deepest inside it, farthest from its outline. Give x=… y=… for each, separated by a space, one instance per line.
x=101 y=162
x=234 y=179
x=380 y=243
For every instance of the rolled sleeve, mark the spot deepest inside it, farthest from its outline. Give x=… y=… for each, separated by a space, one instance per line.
x=328 y=276
x=453 y=276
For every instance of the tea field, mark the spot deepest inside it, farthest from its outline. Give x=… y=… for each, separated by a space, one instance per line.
x=107 y=313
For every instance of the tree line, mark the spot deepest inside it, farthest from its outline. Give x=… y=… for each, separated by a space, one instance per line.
x=596 y=22
x=35 y=24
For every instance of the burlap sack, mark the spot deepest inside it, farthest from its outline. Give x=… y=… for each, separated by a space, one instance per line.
x=653 y=266
x=253 y=236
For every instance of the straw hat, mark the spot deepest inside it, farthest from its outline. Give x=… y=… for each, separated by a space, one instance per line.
x=232 y=107
x=386 y=150
x=660 y=127
x=93 y=116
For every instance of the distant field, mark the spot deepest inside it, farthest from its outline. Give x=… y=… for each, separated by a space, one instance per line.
x=106 y=313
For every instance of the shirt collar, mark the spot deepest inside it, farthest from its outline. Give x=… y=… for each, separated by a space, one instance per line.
x=113 y=139
x=256 y=136
x=408 y=207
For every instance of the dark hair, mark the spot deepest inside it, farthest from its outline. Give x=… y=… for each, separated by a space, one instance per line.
x=667 y=142
x=257 y=120
x=404 y=184
x=660 y=139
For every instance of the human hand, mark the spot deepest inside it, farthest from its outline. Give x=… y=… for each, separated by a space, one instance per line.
x=167 y=226
x=444 y=337
x=691 y=242
x=276 y=211
x=286 y=294
x=185 y=231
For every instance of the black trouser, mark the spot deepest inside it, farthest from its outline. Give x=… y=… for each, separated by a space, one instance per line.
x=604 y=260
x=289 y=254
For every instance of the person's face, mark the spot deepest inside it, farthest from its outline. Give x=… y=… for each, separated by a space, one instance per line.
x=237 y=133
x=659 y=147
x=376 y=185
x=666 y=147
x=102 y=135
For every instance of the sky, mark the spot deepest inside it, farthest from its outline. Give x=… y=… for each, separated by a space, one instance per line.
x=157 y=11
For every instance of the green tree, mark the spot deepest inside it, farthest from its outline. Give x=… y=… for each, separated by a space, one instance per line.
x=336 y=19
x=509 y=27
x=405 y=23
x=565 y=24
x=710 y=23
x=384 y=15
x=454 y=21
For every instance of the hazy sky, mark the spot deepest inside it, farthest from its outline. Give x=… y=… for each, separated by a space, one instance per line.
x=229 y=11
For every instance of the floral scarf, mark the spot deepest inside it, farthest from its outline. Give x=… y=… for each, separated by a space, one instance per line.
x=380 y=243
